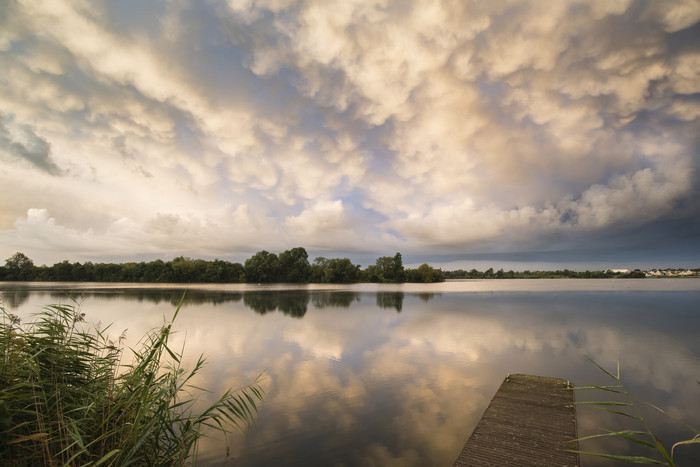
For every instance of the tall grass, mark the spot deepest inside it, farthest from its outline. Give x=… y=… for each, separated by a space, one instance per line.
x=624 y=406
x=66 y=399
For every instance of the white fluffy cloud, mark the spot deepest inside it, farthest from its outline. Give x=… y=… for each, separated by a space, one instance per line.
x=357 y=125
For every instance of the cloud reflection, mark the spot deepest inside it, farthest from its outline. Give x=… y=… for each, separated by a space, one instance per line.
x=359 y=384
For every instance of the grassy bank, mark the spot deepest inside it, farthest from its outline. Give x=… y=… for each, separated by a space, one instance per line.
x=67 y=399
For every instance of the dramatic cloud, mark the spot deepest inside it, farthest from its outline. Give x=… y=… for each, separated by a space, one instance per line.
x=25 y=145
x=458 y=128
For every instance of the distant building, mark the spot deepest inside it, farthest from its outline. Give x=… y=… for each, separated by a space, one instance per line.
x=619 y=271
x=669 y=273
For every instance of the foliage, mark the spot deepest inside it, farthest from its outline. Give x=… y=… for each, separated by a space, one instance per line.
x=627 y=408
x=424 y=273
x=501 y=274
x=263 y=267
x=386 y=269
x=334 y=271
x=179 y=270
x=18 y=267
x=294 y=265
x=66 y=400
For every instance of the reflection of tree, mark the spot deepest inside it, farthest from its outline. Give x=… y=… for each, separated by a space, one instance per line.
x=260 y=303
x=426 y=297
x=295 y=308
x=14 y=298
x=334 y=299
x=156 y=296
x=201 y=297
x=292 y=304
x=390 y=300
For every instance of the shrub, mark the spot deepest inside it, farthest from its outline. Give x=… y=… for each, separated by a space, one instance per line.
x=66 y=399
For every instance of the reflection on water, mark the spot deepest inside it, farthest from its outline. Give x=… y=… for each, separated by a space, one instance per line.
x=340 y=299
x=390 y=300
x=357 y=383
x=293 y=303
x=11 y=299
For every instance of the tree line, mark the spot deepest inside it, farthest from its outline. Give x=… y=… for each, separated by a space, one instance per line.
x=290 y=266
x=558 y=274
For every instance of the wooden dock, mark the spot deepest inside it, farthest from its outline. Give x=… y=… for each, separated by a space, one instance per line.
x=529 y=422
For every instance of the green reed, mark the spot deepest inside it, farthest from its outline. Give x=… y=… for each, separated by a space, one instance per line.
x=66 y=398
x=625 y=407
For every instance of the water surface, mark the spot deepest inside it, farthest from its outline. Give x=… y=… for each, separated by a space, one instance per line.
x=386 y=375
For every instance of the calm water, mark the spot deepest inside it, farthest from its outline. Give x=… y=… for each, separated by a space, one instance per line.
x=366 y=375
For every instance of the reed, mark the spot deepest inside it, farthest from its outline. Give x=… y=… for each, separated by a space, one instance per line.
x=66 y=399
x=624 y=406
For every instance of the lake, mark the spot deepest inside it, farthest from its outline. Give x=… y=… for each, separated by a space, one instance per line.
x=399 y=375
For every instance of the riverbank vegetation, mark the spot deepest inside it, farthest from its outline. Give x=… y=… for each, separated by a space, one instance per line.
x=559 y=274
x=290 y=266
x=66 y=399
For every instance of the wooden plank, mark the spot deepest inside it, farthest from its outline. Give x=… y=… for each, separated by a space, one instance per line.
x=529 y=422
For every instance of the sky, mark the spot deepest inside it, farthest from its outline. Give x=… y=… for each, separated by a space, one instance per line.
x=459 y=133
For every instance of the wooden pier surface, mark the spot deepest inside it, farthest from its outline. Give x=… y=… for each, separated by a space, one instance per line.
x=529 y=422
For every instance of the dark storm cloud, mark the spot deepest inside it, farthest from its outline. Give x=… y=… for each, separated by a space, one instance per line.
x=25 y=145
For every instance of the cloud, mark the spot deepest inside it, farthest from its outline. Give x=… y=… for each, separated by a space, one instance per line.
x=21 y=143
x=353 y=126
x=679 y=15
x=324 y=225
x=162 y=234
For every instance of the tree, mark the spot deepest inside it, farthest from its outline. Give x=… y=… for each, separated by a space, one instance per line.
x=424 y=273
x=294 y=265
x=18 y=261
x=390 y=269
x=19 y=267
x=83 y=272
x=154 y=270
x=188 y=269
x=263 y=266
x=335 y=271
x=63 y=271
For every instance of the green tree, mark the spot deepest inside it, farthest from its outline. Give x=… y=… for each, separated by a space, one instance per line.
x=154 y=270
x=335 y=271
x=132 y=272
x=235 y=272
x=19 y=267
x=188 y=269
x=342 y=271
x=390 y=269
x=83 y=272
x=263 y=266
x=294 y=265
x=424 y=273
x=63 y=271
